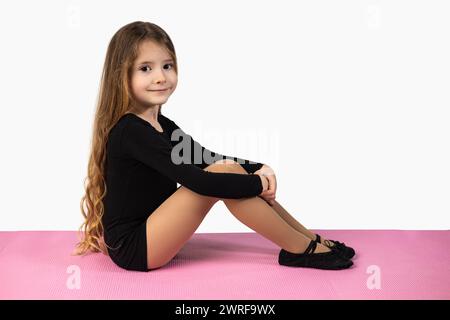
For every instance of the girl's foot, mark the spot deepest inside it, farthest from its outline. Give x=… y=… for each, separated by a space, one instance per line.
x=321 y=248
x=329 y=260
x=345 y=251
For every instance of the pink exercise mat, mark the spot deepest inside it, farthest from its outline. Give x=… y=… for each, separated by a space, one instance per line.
x=389 y=264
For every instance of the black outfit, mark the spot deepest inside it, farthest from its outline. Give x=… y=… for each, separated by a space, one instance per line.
x=140 y=175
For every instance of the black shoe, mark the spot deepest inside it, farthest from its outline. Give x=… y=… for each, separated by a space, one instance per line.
x=325 y=260
x=345 y=252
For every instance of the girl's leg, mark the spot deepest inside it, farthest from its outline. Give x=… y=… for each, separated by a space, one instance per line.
x=292 y=222
x=255 y=213
x=297 y=225
x=288 y=217
x=171 y=225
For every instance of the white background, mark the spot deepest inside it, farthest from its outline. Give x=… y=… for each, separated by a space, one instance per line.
x=348 y=101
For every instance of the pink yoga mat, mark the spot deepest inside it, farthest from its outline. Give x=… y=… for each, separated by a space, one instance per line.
x=389 y=264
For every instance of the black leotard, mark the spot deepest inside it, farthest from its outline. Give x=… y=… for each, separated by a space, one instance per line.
x=140 y=175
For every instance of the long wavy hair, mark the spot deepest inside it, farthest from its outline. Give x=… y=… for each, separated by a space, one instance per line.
x=113 y=101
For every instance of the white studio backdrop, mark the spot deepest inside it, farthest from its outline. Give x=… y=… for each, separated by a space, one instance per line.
x=348 y=101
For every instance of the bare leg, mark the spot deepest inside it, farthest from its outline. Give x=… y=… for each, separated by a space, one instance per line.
x=292 y=221
x=255 y=213
x=297 y=225
x=172 y=224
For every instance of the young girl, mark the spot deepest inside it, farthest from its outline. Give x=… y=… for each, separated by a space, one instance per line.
x=133 y=210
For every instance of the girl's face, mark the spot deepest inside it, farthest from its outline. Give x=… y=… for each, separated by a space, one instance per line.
x=152 y=71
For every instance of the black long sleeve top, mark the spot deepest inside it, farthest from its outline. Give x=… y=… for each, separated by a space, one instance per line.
x=141 y=172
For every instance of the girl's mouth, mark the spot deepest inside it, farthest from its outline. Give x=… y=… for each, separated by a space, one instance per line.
x=160 y=90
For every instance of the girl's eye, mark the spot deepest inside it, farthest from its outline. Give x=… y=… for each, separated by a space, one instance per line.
x=146 y=66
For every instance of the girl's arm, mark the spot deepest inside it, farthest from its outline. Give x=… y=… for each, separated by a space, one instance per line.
x=140 y=142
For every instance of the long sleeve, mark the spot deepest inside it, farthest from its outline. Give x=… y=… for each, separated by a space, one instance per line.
x=139 y=141
x=199 y=150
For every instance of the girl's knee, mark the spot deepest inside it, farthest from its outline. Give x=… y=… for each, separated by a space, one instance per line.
x=225 y=165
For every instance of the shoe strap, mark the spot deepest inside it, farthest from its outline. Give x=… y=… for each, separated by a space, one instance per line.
x=311 y=248
x=318 y=239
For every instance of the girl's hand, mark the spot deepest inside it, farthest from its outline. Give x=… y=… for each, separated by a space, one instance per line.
x=269 y=194
x=264 y=182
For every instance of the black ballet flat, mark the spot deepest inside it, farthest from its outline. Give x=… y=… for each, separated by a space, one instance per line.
x=345 y=251
x=331 y=260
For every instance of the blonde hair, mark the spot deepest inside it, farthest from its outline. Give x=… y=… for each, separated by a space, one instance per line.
x=114 y=100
